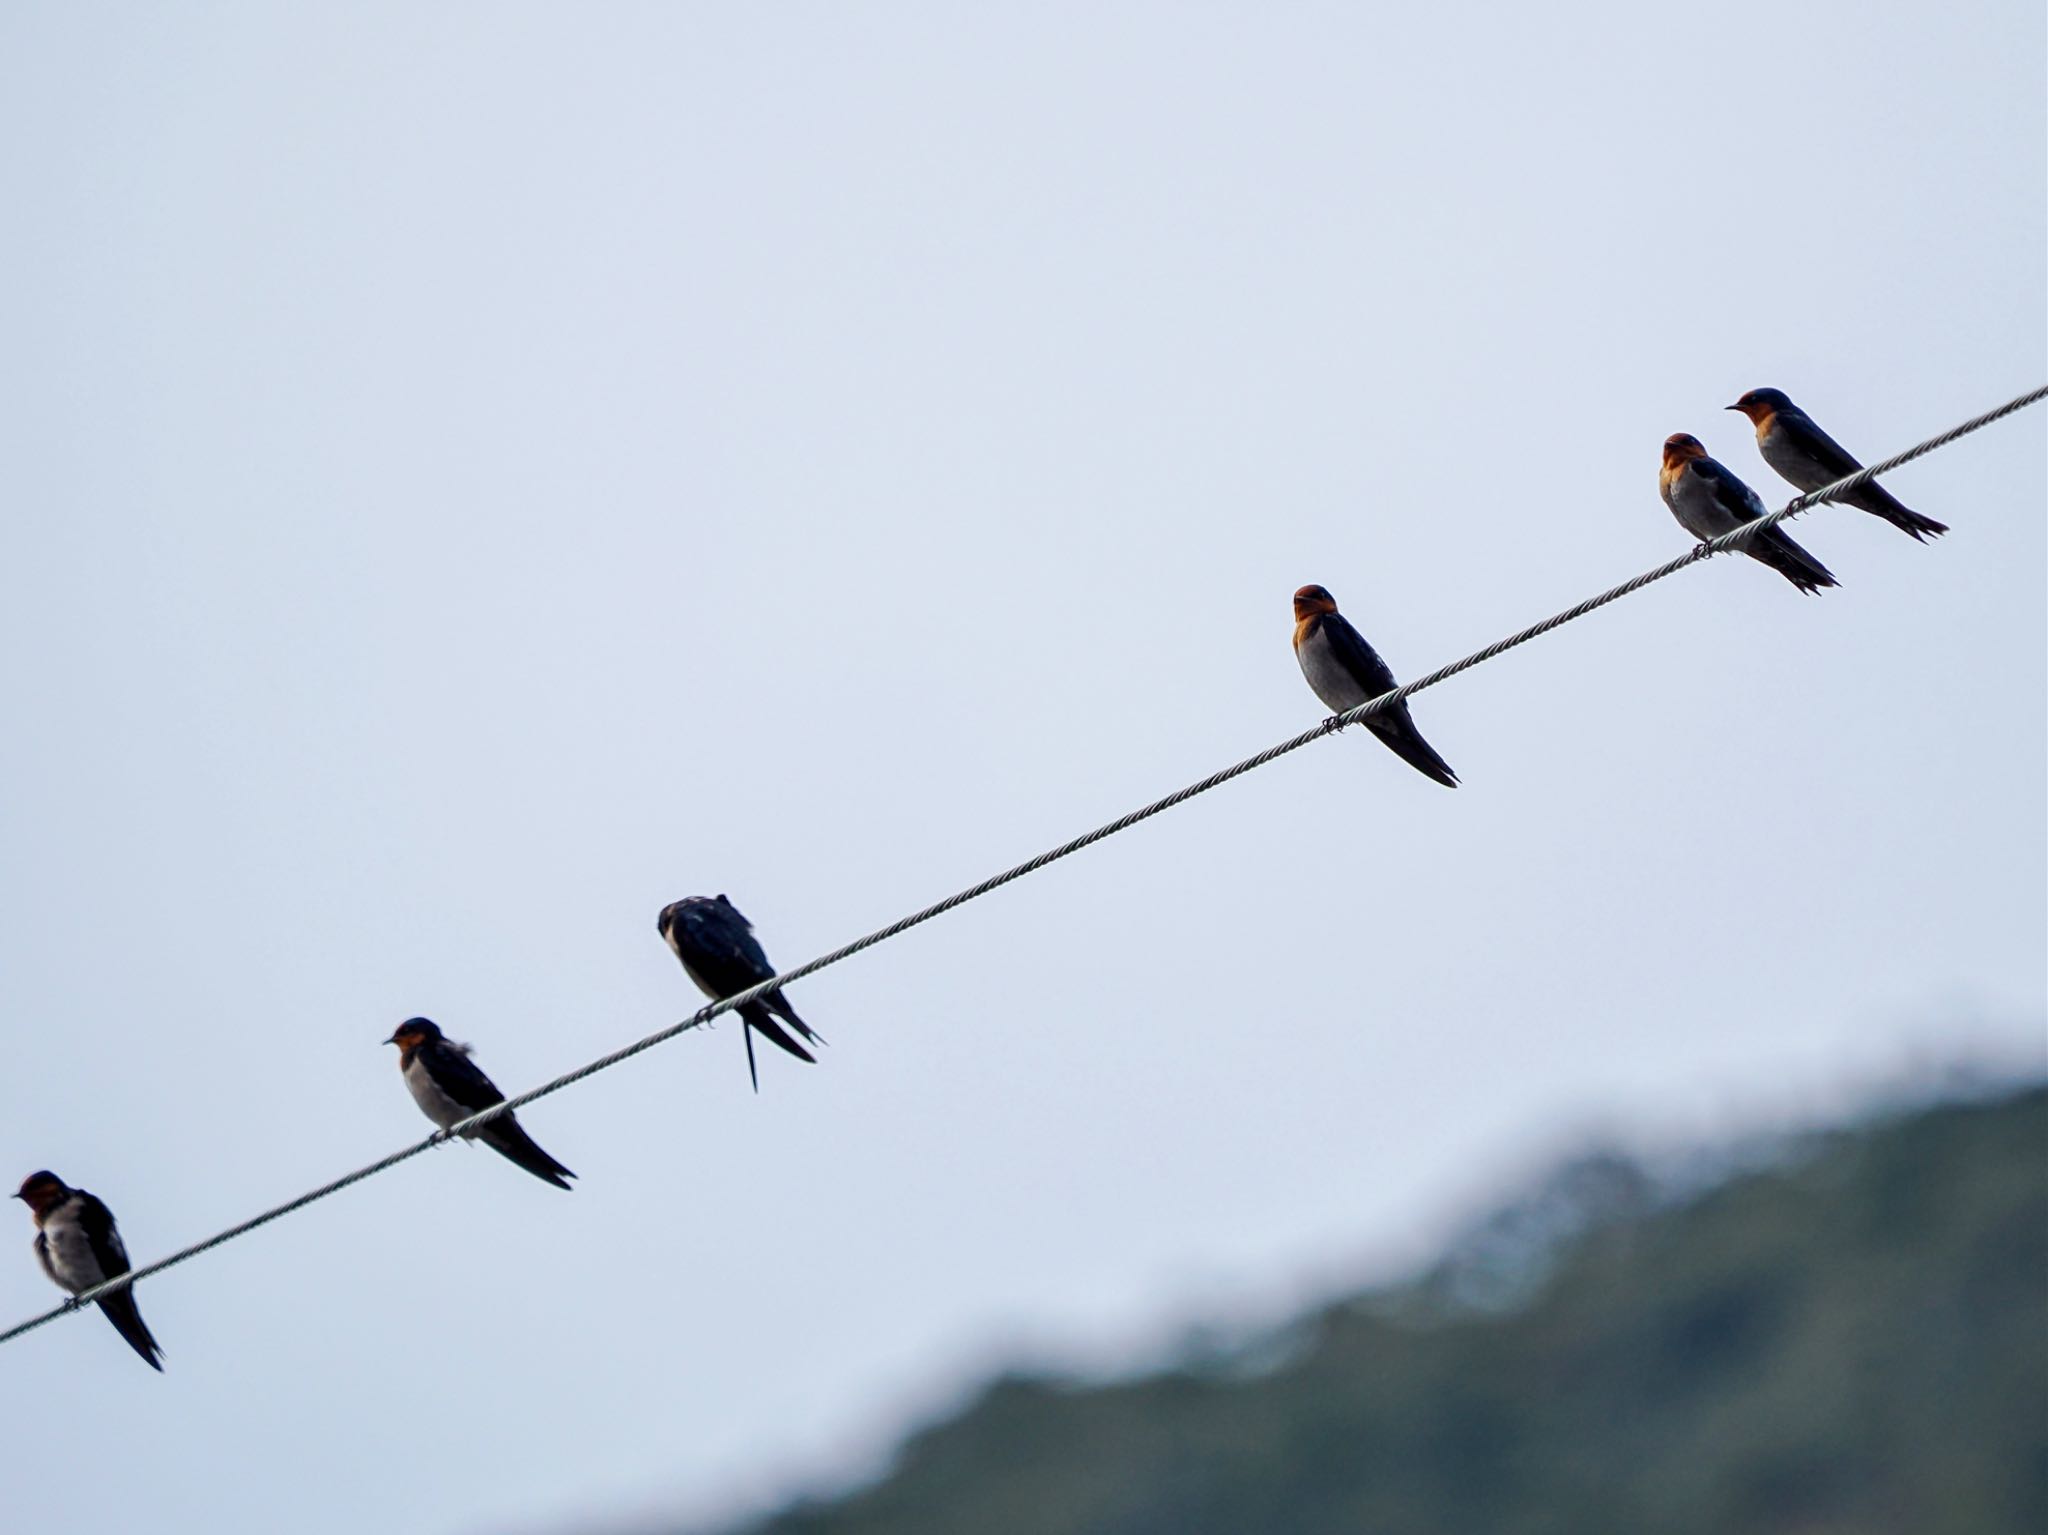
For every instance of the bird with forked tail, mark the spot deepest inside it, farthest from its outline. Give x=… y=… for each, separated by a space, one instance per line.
x=1808 y=459
x=1708 y=501
x=719 y=952
x=79 y=1246
x=449 y=1087
x=1345 y=671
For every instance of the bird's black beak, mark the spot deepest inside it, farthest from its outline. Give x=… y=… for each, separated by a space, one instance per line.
x=392 y=1040
x=1731 y=407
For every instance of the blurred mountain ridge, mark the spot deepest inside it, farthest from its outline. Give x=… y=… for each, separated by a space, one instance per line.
x=1843 y=1332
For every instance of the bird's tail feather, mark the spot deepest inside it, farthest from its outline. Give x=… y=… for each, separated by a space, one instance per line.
x=1400 y=734
x=509 y=1139
x=121 y=1310
x=1880 y=502
x=1774 y=548
x=779 y=1005
x=757 y=1017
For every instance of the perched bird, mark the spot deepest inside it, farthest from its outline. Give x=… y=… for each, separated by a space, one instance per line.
x=720 y=953
x=1708 y=501
x=1808 y=458
x=1345 y=671
x=78 y=1247
x=449 y=1087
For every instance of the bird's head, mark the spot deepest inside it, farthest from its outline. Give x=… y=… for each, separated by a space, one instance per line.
x=1682 y=448
x=1311 y=600
x=413 y=1033
x=1762 y=404
x=42 y=1192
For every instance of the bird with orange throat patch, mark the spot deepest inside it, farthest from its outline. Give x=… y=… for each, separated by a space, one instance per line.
x=79 y=1246
x=449 y=1087
x=1345 y=671
x=1808 y=459
x=1708 y=501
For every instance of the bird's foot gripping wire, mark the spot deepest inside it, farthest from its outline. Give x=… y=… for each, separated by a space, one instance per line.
x=1332 y=725
x=1704 y=549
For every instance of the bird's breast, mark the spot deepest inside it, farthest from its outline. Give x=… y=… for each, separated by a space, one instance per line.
x=426 y=1092
x=67 y=1252
x=1783 y=451
x=1326 y=672
x=1692 y=502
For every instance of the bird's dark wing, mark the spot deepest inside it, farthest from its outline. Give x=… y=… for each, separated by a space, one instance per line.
x=1827 y=455
x=740 y=932
x=722 y=950
x=97 y=1222
x=460 y=1077
x=108 y=1251
x=1730 y=494
x=1831 y=461
x=1359 y=658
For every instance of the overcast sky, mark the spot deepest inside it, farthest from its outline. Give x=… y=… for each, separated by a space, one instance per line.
x=476 y=473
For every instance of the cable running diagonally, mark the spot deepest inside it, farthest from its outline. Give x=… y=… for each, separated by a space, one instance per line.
x=1727 y=543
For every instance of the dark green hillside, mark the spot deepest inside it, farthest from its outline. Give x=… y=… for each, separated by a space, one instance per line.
x=1854 y=1343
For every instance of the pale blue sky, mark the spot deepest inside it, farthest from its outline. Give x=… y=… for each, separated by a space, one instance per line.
x=478 y=473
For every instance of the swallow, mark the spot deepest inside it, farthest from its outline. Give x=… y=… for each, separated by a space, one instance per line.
x=449 y=1087
x=78 y=1247
x=1708 y=501
x=720 y=953
x=1808 y=459
x=1345 y=671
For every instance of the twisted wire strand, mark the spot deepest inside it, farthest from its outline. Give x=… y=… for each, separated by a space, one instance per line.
x=1726 y=543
